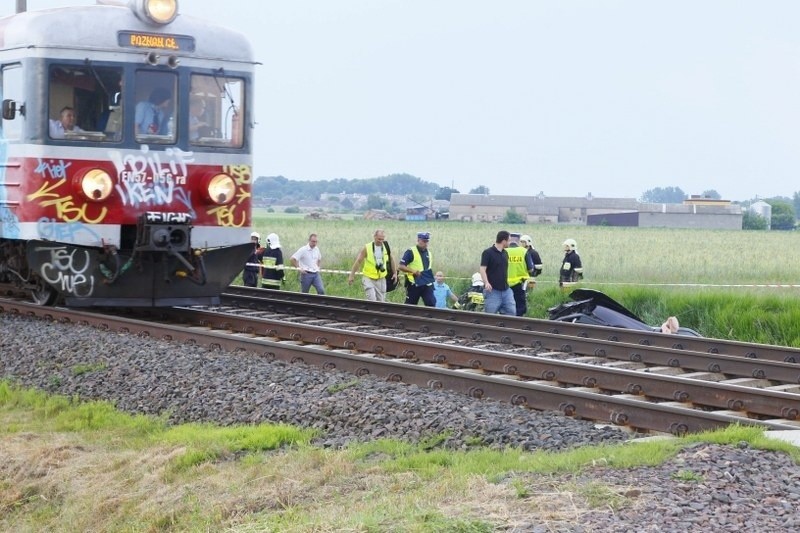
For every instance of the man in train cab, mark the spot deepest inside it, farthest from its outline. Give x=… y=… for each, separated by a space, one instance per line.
x=65 y=123
x=417 y=263
x=198 y=127
x=152 y=115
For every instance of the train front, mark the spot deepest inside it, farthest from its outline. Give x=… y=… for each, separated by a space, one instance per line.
x=144 y=200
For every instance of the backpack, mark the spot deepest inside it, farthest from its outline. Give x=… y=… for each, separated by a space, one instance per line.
x=391 y=284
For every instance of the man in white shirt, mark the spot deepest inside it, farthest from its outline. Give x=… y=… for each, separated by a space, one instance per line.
x=65 y=123
x=307 y=260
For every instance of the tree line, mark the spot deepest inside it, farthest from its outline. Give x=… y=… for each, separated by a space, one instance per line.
x=281 y=188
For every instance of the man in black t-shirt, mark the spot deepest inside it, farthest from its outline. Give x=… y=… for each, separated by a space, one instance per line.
x=497 y=295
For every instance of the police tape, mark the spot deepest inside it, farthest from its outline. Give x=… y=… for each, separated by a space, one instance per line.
x=691 y=285
x=284 y=267
x=584 y=283
x=722 y=285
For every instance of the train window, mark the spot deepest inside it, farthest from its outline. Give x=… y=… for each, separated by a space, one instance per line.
x=84 y=103
x=12 y=90
x=156 y=105
x=216 y=110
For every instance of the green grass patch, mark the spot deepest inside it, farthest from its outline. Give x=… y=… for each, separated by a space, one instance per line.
x=333 y=389
x=687 y=475
x=66 y=456
x=204 y=441
x=207 y=442
x=86 y=368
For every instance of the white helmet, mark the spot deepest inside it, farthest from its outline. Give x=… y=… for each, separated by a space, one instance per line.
x=476 y=279
x=526 y=239
x=256 y=235
x=570 y=244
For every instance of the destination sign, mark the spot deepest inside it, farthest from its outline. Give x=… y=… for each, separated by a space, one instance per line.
x=158 y=41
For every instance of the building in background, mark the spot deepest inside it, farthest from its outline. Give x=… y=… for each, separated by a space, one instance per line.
x=696 y=212
x=762 y=209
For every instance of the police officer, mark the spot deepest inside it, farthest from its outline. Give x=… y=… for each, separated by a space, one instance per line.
x=417 y=263
x=519 y=267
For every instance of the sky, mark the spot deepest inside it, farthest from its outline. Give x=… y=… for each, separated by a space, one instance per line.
x=564 y=97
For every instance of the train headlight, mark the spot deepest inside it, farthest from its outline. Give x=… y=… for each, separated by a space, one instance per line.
x=96 y=185
x=156 y=11
x=220 y=189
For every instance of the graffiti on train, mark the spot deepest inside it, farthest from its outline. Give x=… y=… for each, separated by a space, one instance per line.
x=149 y=167
x=153 y=194
x=68 y=270
x=52 y=169
x=51 y=229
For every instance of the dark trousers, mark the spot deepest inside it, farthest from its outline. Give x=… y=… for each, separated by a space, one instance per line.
x=520 y=298
x=250 y=278
x=415 y=292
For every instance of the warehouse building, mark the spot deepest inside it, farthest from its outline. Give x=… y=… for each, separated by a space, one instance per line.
x=695 y=212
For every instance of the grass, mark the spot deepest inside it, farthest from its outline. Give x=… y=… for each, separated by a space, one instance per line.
x=738 y=285
x=656 y=257
x=687 y=475
x=63 y=457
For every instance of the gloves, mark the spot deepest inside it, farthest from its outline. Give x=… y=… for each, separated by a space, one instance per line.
x=456 y=305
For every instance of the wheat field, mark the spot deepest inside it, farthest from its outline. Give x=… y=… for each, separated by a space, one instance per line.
x=701 y=259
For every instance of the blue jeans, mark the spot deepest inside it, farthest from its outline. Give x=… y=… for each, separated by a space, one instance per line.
x=502 y=301
x=311 y=278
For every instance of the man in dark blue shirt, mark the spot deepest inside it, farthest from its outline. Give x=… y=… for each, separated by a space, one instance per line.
x=497 y=295
x=417 y=264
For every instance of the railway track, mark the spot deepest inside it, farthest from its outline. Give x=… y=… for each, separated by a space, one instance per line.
x=655 y=384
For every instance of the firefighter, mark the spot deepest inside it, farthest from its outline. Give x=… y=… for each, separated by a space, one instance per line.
x=272 y=275
x=571 y=267
x=527 y=243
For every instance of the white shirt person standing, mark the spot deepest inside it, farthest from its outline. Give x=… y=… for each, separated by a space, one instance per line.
x=65 y=123
x=307 y=260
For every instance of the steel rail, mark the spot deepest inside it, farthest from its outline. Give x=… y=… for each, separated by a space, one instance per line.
x=621 y=411
x=747 y=400
x=427 y=320
x=588 y=331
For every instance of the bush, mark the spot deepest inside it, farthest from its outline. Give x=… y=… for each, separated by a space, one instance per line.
x=512 y=217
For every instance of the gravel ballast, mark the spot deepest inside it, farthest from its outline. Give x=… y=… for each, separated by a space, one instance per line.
x=705 y=488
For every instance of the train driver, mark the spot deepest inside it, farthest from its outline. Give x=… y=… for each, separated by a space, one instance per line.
x=65 y=123
x=152 y=114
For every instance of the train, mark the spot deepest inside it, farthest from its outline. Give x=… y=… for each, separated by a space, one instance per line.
x=125 y=155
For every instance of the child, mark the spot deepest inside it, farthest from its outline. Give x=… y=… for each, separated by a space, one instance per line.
x=442 y=292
